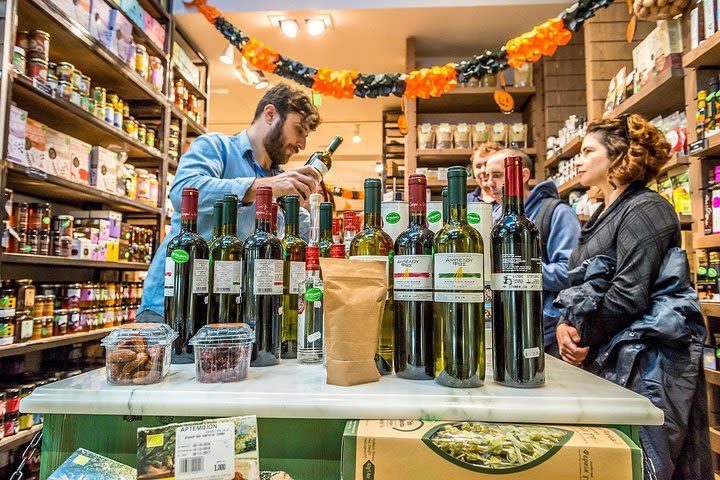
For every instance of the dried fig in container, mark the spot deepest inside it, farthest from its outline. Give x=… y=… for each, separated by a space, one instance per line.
x=222 y=352
x=138 y=353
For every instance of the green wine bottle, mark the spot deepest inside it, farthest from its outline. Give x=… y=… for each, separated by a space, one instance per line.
x=293 y=275
x=326 y=233
x=322 y=161
x=446 y=212
x=371 y=243
x=459 y=293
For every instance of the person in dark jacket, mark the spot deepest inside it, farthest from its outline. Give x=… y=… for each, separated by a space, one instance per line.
x=635 y=229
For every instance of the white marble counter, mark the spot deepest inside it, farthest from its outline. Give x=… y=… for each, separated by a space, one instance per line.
x=292 y=390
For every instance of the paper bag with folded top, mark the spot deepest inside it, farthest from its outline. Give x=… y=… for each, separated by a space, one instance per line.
x=355 y=292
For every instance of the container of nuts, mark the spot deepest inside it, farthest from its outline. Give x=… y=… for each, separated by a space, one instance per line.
x=138 y=354
x=222 y=352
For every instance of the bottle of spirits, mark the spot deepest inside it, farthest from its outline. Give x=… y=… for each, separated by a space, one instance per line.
x=413 y=290
x=263 y=281
x=293 y=275
x=186 y=278
x=459 y=293
x=326 y=229
x=322 y=161
x=225 y=297
x=372 y=243
x=518 y=341
x=311 y=334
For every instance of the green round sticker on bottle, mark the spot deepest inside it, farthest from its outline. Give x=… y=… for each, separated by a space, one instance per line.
x=28 y=248
x=712 y=273
x=180 y=256
x=434 y=216
x=473 y=218
x=392 y=218
x=313 y=295
x=46 y=220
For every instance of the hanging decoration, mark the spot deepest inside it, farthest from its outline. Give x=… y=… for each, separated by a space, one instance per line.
x=542 y=40
x=348 y=193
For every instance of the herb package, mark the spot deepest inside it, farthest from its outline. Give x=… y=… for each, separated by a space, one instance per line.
x=84 y=465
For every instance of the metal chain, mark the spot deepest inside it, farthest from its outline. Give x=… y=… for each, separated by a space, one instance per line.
x=18 y=475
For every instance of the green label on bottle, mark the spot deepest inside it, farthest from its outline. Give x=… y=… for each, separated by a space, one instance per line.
x=28 y=248
x=712 y=273
x=702 y=271
x=473 y=218
x=434 y=216
x=46 y=220
x=313 y=295
x=180 y=256
x=392 y=217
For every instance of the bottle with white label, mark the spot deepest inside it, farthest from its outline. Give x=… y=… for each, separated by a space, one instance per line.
x=225 y=292
x=321 y=162
x=311 y=311
x=186 y=279
x=263 y=283
x=413 y=290
x=293 y=275
x=518 y=343
x=459 y=293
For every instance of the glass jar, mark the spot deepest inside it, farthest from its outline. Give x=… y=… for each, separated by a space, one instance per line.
x=142 y=132
x=32 y=245
x=37 y=69
x=87 y=294
x=65 y=72
x=7 y=330
x=150 y=137
x=52 y=68
x=71 y=297
x=8 y=303
x=73 y=320
x=84 y=323
x=99 y=95
x=22 y=39
x=118 y=117
x=156 y=73
x=154 y=187
x=142 y=62
x=102 y=294
x=47 y=327
x=110 y=298
x=12 y=400
x=85 y=85
x=77 y=79
x=93 y=319
x=43 y=242
x=85 y=102
x=11 y=424
x=76 y=98
x=37 y=328
x=109 y=114
x=40 y=216
x=60 y=322
x=24 y=323
x=49 y=305
x=129 y=126
x=52 y=83
x=25 y=294
x=19 y=59
x=39 y=310
x=39 y=43
x=143 y=185
x=131 y=183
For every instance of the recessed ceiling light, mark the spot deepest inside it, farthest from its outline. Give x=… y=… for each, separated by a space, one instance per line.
x=357 y=138
x=315 y=26
x=289 y=27
x=228 y=55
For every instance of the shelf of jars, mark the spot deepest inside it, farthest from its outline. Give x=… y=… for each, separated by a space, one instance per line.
x=569 y=186
x=568 y=151
x=20 y=438
x=189 y=84
x=192 y=125
x=52 y=342
x=659 y=96
x=707 y=54
x=28 y=259
x=144 y=39
x=708 y=147
x=473 y=99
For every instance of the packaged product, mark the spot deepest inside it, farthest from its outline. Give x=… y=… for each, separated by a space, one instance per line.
x=222 y=352
x=86 y=464
x=36 y=144
x=462 y=136
x=120 y=38
x=17 y=135
x=681 y=193
x=480 y=134
x=138 y=353
x=426 y=136
x=518 y=135
x=80 y=161
x=620 y=86
x=665 y=189
x=103 y=169
x=154 y=30
x=443 y=136
x=134 y=10
x=113 y=250
x=78 y=10
x=57 y=159
x=660 y=50
x=610 y=98
x=171 y=451
x=499 y=133
x=99 y=25
x=413 y=449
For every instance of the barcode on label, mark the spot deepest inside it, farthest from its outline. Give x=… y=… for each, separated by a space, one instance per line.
x=263 y=291
x=223 y=290
x=192 y=464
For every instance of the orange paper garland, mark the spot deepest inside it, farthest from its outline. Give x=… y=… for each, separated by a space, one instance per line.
x=430 y=82
x=542 y=40
x=260 y=55
x=335 y=83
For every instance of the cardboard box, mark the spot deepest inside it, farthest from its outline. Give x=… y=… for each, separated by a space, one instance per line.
x=80 y=161
x=57 y=159
x=100 y=252
x=415 y=449
x=17 y=134
x=36 y=135
x=518 y=135
x=134 y=11
x=113 y=250
x=78 y=10
x=499 y=133
x=655 y=54
x=155 y=30
x=90 y=233
x=120 y=36
x=81 y=249
x=99 y=25
x=114 y=220
x=103 y=169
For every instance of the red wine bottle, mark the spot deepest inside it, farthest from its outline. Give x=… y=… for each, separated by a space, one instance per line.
x=518 y=343
x=224 y=305
x=263 y=282
x=186 y=277
x=413 y=291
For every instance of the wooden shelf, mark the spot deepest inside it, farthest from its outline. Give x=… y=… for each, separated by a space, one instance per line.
x=20 y=438
x=458 y=152
x=568 y=151
x=707 y=54
x=48 y=260
x=712 y=148
x=52 y=342
x=192 y=125
x=701 y=242
x=61 y=115
x=714 y=440
x=710 y=309
x=677 y=160
x=194 y=89
x=42 y=185
x=660 y=96
x=473 y=100
x=712 y=376
x=568 y=187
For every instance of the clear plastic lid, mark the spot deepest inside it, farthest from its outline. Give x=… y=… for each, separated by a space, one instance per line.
x=217 y=334
x=149 y=333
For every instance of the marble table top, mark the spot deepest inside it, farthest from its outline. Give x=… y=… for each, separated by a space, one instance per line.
x=293 y=390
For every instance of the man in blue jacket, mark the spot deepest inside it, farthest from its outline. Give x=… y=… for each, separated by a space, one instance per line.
x=559 y=230
x=218 y=164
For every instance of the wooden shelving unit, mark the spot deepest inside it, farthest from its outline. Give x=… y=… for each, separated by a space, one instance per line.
x=27 y=259
x=52 y=342
x=569 y=186
x=658 y=97
x=20 y=438
x=707 y=54
x=473 y=99
x=568 y=151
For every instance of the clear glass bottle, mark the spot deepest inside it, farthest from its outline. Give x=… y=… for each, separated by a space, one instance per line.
x=311 y=310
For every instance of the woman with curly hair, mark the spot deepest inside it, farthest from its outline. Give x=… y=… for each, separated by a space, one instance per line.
x=631 y=315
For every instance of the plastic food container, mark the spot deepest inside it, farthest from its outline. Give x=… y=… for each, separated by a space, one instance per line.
x=138 y=354
x=222 y=352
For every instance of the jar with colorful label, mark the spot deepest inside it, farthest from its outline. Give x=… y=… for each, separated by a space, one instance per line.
x=19 y=59
x=37 y=328
x=8 y=303
x=109 y=114
x=129 y=126
x=52 y=82
x=99 y=95
x=71 y=296
x=154 y=188
x=93 y=319
x=85 y=102
x=65 y=72
x=49 y=305
x=73 y=320
x=77 y=79
x=143 y=186
x=47 y=327
x=7 y=331
x=87 y=295
x=110 y=300
x=150 y=137
x=117 y=117
x=60 y=322
x=142 y=62
x=11 y=425
x=85 y=85
x=76 y=98
x=37 y=69
x=141 y=132
x=65 y=90
x=40 y=216
x=112 y=99
x=25 y=294
x=22 y=39
x=84 y=323
x=156 y=73
x=39 y=309
x=23 y=326
x=39 y=43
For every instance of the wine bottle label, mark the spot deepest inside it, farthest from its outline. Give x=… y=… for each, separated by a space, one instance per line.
x=459 y=271
x=297 y=276
x=319 y=166
x=531 y=282
x=410 y=296
x=200 y=276
x=533 y=352
x=268 y=278
x=313 y=337
x=459 y=297
x=227 y=276
x=169 y=277
x=413 y=272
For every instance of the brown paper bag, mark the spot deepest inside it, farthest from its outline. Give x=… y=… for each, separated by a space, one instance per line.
x=355 y=292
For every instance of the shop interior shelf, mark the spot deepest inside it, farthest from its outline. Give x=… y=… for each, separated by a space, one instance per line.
x=194 y=89
x=453 y=153
x=675 y=161
x=568 y=151
x=706 y=241
x=707 y=54
x=61 y=115
x=50 y=187
x=20 y=438
x=471 y=184
x=473 y=100
x=568 y=187
x=192 y=125
x=712 y=148
x=712 y=376
x=52 y=342
x=660 y=96
x=710 y=309
x=155 y=8
x=141 y=37
x=22 y=258
x=715 y=440
x=71 y=42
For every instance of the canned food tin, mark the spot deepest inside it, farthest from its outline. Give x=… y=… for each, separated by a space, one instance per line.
x=37 y=68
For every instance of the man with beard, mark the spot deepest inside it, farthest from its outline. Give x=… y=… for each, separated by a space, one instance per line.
x=218 y=164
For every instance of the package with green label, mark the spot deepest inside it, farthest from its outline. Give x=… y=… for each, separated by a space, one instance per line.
x=395 y=217
x=216 y=449
x=681 y=193
x=414 y=449
x=84 y=465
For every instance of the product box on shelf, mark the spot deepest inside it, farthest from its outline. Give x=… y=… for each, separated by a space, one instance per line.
x=154 y=30
x=103 y=169
x=661 y=50
x=81 y=249
x=90 y=233
x=100 y=252
x=16 y=136
x=78 y=10
x=114 y=220
x=412 y=449
x=113 y=250
x=517 y=135
x=480 y=134
x=80 y=161
x=57 y=159
x=120 y=36
x=499 y=133
x=36 y=143
x=134 y=11
x=99 y=25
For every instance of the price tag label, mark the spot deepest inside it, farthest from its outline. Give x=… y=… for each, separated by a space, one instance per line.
x=205 y=451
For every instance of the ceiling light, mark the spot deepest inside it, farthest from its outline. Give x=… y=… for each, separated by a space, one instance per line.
x=289 y=27
x=228 y=55
x=263 y=83
x=357 y=138
x=315 y=26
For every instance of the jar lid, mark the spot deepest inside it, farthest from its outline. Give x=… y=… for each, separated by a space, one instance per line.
x=12 y=392
x=26 y=389
x=19 y=50
x=150 y=333
x=217 y=334
x=11 y=416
